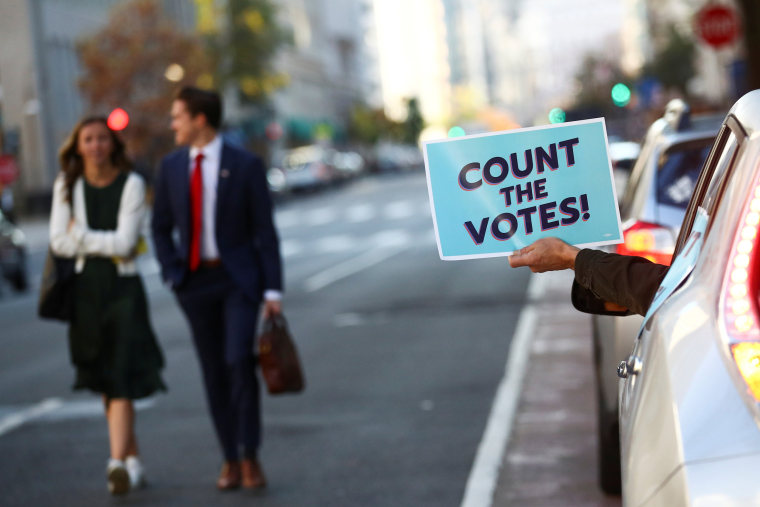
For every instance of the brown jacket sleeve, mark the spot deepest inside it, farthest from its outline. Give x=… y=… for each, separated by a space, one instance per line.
x=627 y=280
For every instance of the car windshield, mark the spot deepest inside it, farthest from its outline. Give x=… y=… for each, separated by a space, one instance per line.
x=678 y=170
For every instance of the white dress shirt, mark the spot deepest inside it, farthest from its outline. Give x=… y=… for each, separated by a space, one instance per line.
x=210 y=165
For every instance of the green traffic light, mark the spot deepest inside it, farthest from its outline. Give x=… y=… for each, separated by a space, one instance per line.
x=621 y=95
x=557 y=115
x=456 y=131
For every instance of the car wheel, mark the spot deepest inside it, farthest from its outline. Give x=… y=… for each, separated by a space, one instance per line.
x=608 y=444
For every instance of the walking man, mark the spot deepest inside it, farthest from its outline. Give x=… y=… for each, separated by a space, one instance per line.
x=222 y=262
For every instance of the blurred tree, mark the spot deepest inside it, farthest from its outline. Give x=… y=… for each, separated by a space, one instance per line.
x=136 y=62
x=367 y=125
x=673 y=63
x=751 y=16
x=594 y=81
x=242 y=45
x=414 y=122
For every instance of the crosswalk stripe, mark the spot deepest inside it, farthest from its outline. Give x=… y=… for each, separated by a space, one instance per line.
x=360 y=213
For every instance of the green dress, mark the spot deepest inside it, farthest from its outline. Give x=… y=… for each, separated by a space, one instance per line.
x=111 y=341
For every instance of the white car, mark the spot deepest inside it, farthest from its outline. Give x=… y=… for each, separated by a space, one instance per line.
x=661 y=183
x=689 y=412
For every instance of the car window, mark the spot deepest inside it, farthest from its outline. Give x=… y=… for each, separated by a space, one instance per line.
x=720 y=174
x=678 y=169
x=710 y=182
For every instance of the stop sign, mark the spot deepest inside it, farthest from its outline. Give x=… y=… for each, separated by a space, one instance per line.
x=717 y=25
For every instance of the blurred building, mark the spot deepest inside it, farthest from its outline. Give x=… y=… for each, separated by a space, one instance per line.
x=40 y=99
x=537 y=47
x=414 y=57
x=468 y=56
x=521 y=57
x=331 y=66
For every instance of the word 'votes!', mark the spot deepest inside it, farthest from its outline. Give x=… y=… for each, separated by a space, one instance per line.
x=496 y=171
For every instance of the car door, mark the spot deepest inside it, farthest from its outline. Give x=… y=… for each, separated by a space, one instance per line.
x=695 y=228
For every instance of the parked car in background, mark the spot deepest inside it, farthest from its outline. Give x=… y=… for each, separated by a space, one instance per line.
x=347 y=164
x=307 y=168
x=623 y=155
x=12 y=254
x=690 y=401
x=394 y=157
x=652 y=208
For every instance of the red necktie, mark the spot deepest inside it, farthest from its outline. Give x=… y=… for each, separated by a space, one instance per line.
x=196 y=213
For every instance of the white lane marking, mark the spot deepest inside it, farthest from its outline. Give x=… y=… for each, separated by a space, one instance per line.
x=348 y=320
x=320 y=216
x=56 y=409
x=485 y=470
x=390 y=238
x=335 y=244
x=360 y=213
x=399 y=209
x=290 y=247
x=13 y=421
x=285 y=219
x=84 y=409
x=349 y=267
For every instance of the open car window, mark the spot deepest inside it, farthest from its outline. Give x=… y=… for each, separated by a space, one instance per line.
x=708 y=185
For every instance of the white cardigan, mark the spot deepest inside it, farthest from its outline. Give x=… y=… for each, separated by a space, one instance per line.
x=81 y=241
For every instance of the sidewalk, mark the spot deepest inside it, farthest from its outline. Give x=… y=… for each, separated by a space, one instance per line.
x=550 y=458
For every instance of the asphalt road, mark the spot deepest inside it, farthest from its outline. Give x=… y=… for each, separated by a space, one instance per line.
x=402 y=354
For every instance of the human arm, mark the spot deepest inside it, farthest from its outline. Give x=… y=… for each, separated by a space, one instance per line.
x=267 y=240
x=65 y=236
x=628 y=282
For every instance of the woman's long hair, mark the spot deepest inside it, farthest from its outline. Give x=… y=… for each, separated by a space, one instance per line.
x=71 y=162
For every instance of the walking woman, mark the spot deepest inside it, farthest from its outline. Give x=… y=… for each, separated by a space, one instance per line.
x=97 y=212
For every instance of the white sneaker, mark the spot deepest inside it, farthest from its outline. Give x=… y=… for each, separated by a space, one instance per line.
x=118 y=477
x=136 y=472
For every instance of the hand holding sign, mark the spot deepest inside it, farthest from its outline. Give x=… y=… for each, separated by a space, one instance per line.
x=547 y=254
x=493 y=194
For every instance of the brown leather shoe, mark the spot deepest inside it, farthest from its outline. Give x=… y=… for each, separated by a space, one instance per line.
x=252 y=475
x=229 y=478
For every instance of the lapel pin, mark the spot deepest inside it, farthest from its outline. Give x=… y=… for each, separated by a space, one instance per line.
x=224 y=173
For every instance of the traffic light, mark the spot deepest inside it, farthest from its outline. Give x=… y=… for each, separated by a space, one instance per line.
x=557 y=115
x=456 y=131
x=118 y=119
x=621 y=95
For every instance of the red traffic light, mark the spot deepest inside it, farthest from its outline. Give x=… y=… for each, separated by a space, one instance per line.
x=118 y=119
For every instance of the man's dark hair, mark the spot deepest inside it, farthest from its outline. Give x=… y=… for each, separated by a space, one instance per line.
x=205 y=102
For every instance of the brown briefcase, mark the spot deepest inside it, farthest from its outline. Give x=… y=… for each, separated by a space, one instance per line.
x=278 y=358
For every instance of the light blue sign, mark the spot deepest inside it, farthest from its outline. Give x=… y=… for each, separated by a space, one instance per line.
x=492 y=194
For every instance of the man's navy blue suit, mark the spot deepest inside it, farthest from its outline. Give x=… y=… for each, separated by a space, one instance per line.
x=222 y=303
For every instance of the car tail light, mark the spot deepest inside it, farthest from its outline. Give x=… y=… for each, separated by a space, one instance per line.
x=739 y=296
x=648 y=240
